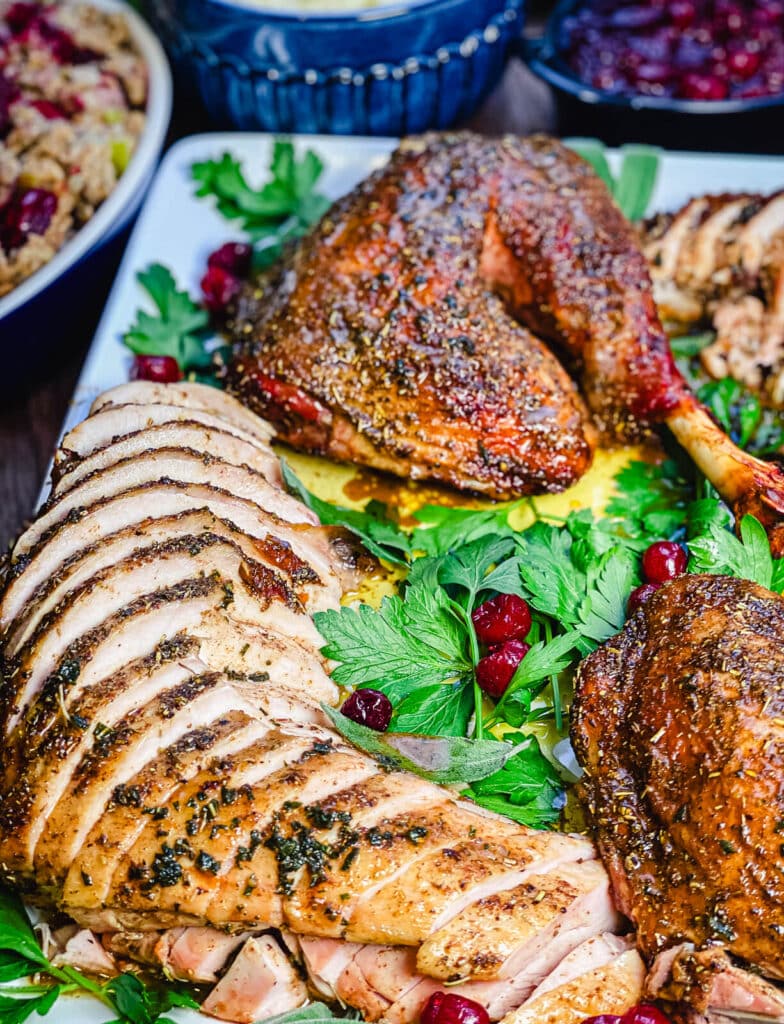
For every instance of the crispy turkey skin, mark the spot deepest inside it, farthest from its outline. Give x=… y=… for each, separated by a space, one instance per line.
x=398 y=333
x=679 y=725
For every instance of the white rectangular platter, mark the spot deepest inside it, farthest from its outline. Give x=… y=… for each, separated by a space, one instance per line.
x=179 y=230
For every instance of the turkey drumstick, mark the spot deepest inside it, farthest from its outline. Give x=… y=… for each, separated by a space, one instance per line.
x=572 y=270
x=377 y=339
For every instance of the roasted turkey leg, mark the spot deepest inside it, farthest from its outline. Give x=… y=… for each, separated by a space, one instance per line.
x=573 y=272
x=378 y=339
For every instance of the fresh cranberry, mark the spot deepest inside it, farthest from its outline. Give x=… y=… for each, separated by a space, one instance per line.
x=368 y=707
x=506 y=617
x=494 y=672
x=9 y=93
x=603 y=1018
x=219 y=288
x=645 y=1014
x=640 y=595
x=20 y=16
x=663 y=561
x=770 y=13
x=728 y=19
x=63 y=46
x=234 y=257
x=744 y=62
x=51 y=111
x=162 y=369
x=26 y=213
x=683 y=13
x=703 y=87
x=450 y=1008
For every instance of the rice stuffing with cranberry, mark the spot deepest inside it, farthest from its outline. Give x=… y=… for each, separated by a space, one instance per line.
x=73 y=90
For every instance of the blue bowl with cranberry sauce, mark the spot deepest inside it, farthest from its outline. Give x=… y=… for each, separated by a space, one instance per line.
x=687 y=74
x=390 y=69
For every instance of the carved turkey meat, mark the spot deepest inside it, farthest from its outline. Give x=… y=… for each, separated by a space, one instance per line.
x=170 y=782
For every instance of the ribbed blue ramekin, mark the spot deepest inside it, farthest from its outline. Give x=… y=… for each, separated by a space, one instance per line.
x=388 y=70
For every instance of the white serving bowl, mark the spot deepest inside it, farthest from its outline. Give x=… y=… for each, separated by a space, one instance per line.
x=43 y=304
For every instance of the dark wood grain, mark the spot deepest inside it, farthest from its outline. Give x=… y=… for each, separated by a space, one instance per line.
x=30 y=421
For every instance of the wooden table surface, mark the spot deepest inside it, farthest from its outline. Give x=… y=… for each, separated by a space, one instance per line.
x=30 y=421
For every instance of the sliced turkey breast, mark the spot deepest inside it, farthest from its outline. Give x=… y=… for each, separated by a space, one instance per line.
x=260 y=983
x=611 y=988
x=252 y=593
x=268 y=657
x=241 y=856
x=710 y=983
x=118 y=756
x=86 y=528
x=134 y=540
x=186 y=434
x=437 y=887
x=179 y=464
x=529 y=928
x=96 y=715
x=757 y=234
x=155 y=785
x=188 y=395
x=115 y=423
x=137 y=630
x=704 y=257
x=55 y=755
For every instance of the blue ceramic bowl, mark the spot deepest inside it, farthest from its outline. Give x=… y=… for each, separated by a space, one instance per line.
x=733 y=125
x=390 y=70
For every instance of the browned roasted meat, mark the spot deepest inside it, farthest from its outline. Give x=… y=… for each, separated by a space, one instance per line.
x=720 y=260
x=382 y=337
x=679 y=724
x=168 y=778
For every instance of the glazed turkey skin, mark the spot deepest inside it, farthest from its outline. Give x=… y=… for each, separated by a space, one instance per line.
x=679 y=725
x=395 y=334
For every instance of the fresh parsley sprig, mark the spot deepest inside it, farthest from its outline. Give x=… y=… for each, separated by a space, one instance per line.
x=21 y=957
x=714 y=548
x=178 y=329
x=284 y=207
x=420 y=647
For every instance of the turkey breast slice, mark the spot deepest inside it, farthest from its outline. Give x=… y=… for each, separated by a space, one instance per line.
x=501 y=934
x=157 y=783
x=260 y=983
x=255 y=596
x=134 y=540
x=193 y=704
x=610 y=988
x=179 y=464
x=702 y=260
x=141 y=626
x=436 y=888
x=188 y=395
x=104 y=709
x=237 y=836
x=116 y=759
x=185 y=434
x=758 y=232
x=92 y=525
